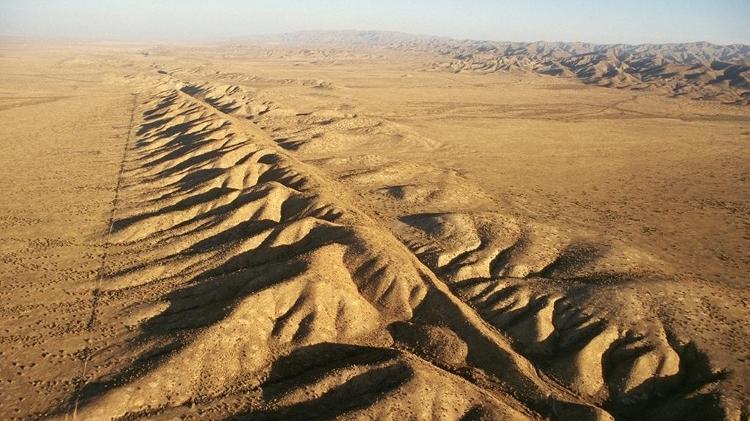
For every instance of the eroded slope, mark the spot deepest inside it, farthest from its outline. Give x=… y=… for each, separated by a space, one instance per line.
x=562 y=298
x=698 y=70
x=241 y=282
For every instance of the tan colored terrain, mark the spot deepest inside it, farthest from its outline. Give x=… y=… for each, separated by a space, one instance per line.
x=697 y=70
x=277 y=232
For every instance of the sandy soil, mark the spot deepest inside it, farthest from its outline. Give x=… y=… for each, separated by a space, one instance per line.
x=214 y=232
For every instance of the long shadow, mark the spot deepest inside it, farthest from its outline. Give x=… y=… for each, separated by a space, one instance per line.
x=145 y=127
x=290 y=209
x=244 y=229
x=204 y=302
x=211 y=296
x=265 y=255
x=189 y=182
x=674 y=397
x=179 y=146
x=194 y=161
x=309 y=364
x=187 y=203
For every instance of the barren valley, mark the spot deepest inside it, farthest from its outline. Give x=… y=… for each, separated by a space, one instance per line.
x=374 y=226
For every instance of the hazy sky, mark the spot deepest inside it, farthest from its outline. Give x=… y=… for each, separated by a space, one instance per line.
x=603 y=21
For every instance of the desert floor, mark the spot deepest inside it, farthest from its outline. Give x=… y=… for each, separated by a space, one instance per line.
x=212 y=231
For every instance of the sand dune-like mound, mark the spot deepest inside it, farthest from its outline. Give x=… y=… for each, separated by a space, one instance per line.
x=284 y=247
x=560 y=298
x=244 y=285
x=252 y=286
x=315 y=132
x=531 y=283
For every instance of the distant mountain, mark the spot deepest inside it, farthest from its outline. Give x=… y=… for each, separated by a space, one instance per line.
x=699 y=70
x=368 y=38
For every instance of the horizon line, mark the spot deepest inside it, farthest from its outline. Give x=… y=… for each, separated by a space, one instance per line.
x=233 y=38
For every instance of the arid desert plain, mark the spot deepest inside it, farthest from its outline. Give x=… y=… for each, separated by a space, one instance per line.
x=363 y=226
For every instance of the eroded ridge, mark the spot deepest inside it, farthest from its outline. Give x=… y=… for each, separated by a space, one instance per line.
x=241 y=282
x=558 y=298
x=698 y=70
x=538 y=285
x=318 y=132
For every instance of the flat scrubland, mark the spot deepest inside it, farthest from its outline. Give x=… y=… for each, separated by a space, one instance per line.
x=279 y=232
